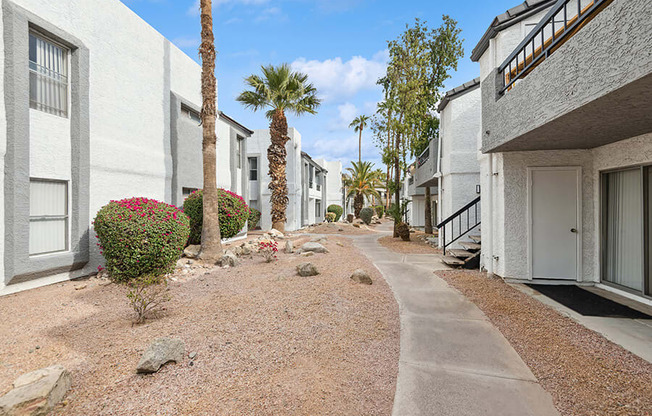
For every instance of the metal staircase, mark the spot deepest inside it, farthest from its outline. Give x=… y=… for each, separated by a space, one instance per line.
x=457 y=226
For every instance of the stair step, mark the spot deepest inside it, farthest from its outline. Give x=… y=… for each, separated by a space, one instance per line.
x=452 y=261
x=460 y=254
x=476 y=238
x=471 y=246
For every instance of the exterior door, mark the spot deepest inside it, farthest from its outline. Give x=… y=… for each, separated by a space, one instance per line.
x=555 y=222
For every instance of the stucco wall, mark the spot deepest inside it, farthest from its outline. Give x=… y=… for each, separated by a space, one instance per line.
x=611 y=51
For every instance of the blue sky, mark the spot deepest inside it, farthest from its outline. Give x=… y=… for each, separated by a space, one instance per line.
x=341 y=44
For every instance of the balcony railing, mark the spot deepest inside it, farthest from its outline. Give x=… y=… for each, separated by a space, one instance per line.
x=423 y=157
x=561 y=22
x=411 y=180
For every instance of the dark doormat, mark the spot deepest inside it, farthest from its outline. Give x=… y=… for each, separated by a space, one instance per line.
x=587 y=303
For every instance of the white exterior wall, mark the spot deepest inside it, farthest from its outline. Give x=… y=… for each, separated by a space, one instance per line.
x=133 y=70
x=257 y=146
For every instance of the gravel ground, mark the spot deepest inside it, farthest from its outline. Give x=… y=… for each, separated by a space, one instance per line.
x=585 y=373
x=334 y=228
x=416 y=245
x=268 y=342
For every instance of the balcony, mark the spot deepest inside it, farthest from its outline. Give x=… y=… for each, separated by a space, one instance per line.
x=426 y=166
x=581 y=79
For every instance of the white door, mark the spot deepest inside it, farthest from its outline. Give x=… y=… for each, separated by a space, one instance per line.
x=554 y=222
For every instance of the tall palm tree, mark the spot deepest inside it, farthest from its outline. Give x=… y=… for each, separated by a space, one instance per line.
x=279 y=89
x=358 y=124
x=364 y=181
x=211 y=240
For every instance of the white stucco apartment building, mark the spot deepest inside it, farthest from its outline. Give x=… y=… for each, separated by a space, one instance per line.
x=566 y=142
x=93 y=110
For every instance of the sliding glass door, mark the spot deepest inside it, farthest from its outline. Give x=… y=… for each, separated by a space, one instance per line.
x=627 y=225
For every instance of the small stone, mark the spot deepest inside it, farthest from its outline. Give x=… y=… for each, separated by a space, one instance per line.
x=192 y=251
x=307 y=269
x=307 y=254
x=160 y=352
x=289 y=247
x=228 y=259
x=340 y=244
x=361 y=276
x=340 y=229
x=192 y=355
x=36 y=393
x=356 y=225
x=318 y=239
x=80 y=287
x=314 y=247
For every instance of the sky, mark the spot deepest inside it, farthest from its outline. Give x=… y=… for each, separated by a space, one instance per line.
x=340 y=44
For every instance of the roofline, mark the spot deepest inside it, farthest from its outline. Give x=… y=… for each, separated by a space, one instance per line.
x=507 y=19
x=310 y=159
x=232 y=121
x=457 y=91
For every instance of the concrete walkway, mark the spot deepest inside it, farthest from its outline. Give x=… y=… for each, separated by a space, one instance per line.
x=453 y=361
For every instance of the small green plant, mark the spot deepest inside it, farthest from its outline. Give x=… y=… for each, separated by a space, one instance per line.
x=140 y=236
x=366 y=214
x=380 y=211
x=147 y=296
x=233 y=213
x=253 y=219
x=330 y=217
x=337 y=210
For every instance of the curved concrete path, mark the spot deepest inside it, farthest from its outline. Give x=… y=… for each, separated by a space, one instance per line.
x=453 y=361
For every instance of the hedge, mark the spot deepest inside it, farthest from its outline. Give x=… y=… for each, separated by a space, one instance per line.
x=233 y=213
x=380 y=211
x=140 y=237
x=337 y=210
x=254 y=218
x=330 y=217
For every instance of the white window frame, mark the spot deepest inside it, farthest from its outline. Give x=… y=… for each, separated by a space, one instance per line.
x=65 y=217
x=40 y=106
x=255 y=159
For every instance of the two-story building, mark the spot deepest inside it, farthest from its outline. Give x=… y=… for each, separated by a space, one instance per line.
x=566 y=165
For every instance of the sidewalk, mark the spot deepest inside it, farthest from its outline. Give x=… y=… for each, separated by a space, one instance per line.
x=453 y=361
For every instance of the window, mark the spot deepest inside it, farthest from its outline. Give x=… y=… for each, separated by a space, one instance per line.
x=239 y=144
x=318 y=181
x=48 y=76
x=190 y=113
x=311 y=171
x=253 y=168
x=48 y=216
x=317 y=209
x=187 y=191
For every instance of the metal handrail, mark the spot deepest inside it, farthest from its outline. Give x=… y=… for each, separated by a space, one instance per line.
x=546 y=46
x=423 y=157
x=458 y=215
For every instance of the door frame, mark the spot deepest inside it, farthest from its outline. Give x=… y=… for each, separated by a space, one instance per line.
x=578 y=175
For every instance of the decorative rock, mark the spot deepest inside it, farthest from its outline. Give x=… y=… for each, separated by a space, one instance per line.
x=319 y=239
x=314 y=247
x=80 y=287
x=161 y=351
x=36 y=393
x=228 y=259
x=307 y=254
x=192 y=251
x=356 y=225
x=274 y=233
x=307 y=269
x=349 y=217
x=340 y=244
x=289 y=247
x=361 y=276
x=192 y=355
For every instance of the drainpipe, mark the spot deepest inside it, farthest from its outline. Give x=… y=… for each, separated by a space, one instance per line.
x=489 y=254
x=438 y=175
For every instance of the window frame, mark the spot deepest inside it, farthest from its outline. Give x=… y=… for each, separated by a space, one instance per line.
x=239 y=147
x=254 y=170
x=42 y=107
x=45 y=218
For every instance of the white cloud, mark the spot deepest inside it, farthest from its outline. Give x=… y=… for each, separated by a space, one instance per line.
x=347 y=112
x=268 y=13
x=194 y=9
x=337 y=79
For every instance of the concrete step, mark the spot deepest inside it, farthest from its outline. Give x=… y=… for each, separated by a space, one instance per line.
x=476 y=238
x=452 y=261
x=471 y=246
x=460 y=254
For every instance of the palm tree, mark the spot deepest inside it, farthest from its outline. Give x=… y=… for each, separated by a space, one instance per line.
x=364 y=181
x=281 y=90
x=211 y=241
x=359 y=123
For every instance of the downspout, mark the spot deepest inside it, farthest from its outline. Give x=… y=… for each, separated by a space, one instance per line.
x=438 y=175
x=489 y=263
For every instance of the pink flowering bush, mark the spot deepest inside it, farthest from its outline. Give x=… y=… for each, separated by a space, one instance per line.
x=140 y=237
x=254 y=218
x=233 y=213
x=268 y=250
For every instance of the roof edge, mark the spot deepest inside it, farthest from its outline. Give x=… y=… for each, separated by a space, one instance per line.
x=457 y=91
x=235 y=123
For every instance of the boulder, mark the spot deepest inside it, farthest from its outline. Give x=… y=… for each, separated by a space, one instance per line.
x=307 y=269
x=36 y=393
x=289 y=247
x=161 y=351
x=228 y=259
x=361 y=276
x=313 y=247
x=192 y=251
x=274 y=233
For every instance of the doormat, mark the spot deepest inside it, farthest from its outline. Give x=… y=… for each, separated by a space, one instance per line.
x=587 y=303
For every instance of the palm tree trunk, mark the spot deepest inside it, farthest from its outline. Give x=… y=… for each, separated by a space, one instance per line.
x=277 y=156
x=389 y=144
x=211 y=240
x=358 y=203
x=428 y=223
x=360 y=146
x=397 y=171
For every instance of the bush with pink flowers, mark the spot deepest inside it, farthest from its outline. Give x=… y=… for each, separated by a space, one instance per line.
x=140 y=237
x=268 y=250
x=233 y=213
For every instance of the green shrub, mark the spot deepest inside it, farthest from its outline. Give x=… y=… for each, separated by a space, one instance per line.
x=253 y=219
x=380 y=211
x=337 y=210
x=233 y=213
x=330 y=217
x=140 y=237
x=366 y=214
